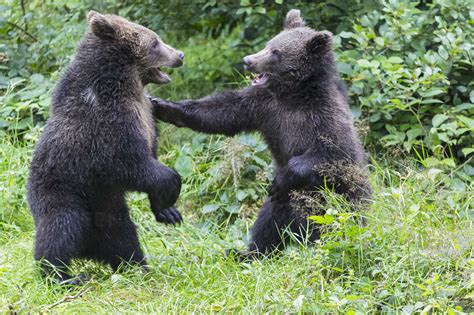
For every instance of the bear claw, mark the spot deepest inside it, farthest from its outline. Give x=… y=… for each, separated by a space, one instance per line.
x=169 y=216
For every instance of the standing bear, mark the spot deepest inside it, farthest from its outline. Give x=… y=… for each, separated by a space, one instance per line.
x=100 y=142
x=299 y=105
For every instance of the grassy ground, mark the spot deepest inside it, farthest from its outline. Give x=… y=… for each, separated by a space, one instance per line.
x=414 y=254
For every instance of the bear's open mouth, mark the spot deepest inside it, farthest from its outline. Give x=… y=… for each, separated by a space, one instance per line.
x=162 y=76
x=260 y=79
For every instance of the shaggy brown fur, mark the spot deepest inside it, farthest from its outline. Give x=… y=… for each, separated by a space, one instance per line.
x=99 y=143
x=299 y=105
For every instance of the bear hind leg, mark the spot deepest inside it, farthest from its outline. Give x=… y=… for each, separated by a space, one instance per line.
x=116 y=241
x=276 y=226
x=60 y=237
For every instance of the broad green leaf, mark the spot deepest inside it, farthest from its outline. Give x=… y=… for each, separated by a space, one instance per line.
x=431 y=101
x=233 y=208
x=344 y=68
x=364 y=63
x=396 y=102
x=464 y=106
x=438 y=119
x=346 y=34
x=431 y=162
x=210 y=208
x=467 y=151
x=25 y=122
x=259 y=161
x=395 y=60
x=356 y=112
x=374 y=64
x=452 y=126
x=184 y=165
x=443 y=136
x=449 y=162
x=443 y=52
x=379 y=41
x=241 y=195
x=469 y=122
x=431 y=92
x=460 y=131
x=469 y=171
x=36 y=78
x=412 y=134
x=241 y=11
x=324 y=220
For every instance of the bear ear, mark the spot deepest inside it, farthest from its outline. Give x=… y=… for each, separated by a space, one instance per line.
x=293 y=19
x=321 y=42
x=100 y=25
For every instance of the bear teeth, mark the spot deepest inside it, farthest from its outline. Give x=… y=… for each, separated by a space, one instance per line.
x=163 y=74
x=260 y=79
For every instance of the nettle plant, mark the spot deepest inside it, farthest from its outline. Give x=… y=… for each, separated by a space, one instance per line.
x=229 y=175
x=410 y=72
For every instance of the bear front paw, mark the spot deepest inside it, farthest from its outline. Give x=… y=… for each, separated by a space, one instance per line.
x=169 y=216
x=280 y=188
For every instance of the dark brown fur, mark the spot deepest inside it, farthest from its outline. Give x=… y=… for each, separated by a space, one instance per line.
x=100 y=142
x=302 y=112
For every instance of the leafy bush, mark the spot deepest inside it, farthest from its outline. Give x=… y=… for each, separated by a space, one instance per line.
x=227 y=175
x=409 y=69
x=37 y=40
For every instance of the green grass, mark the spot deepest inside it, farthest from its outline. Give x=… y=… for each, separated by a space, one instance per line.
x=413 y=255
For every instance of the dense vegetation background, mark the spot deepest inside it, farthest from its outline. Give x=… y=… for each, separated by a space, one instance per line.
x=409 y=69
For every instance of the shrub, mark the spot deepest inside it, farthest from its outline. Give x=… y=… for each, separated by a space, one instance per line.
x=409 y=68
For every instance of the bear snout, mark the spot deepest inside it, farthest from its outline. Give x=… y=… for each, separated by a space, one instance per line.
x=247 y=61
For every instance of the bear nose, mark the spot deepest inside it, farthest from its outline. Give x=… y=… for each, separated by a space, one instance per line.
x=181 y=55
x=247 y=61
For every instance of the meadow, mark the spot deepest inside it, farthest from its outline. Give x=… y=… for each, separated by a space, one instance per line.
x=413 y=255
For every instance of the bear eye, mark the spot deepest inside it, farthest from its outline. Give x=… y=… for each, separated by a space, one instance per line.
x=276 y=54
x=156 y=44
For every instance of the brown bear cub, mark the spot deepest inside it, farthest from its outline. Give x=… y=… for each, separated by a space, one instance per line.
x=100 y=142
x=299 y=105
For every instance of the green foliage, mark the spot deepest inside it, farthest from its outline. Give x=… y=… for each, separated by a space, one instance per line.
x=225 y=176
x=410 y=72
x=37 y=40
x=408 y=64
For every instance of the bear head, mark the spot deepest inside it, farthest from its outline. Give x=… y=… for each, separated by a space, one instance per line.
x=292 y=56
x=135 y=44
